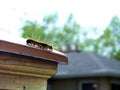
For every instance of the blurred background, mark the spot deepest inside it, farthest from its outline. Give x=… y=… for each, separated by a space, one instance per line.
x=92 y=25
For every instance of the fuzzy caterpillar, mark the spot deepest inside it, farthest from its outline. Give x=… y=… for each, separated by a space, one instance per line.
x=37 y=44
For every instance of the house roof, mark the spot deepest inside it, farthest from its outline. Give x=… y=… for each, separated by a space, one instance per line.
x=86 y=64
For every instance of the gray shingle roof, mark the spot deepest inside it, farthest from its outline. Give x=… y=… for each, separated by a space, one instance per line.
x=86 y=64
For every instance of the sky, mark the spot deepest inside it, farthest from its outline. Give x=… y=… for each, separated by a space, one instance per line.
x=97 y=13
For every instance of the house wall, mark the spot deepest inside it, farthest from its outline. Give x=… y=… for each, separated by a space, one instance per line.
x=69 y=84
x=65 y=84
x=102 y=83
x=115 y=80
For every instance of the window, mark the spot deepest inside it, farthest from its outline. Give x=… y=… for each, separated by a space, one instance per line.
x=115 y=86
x=89 y=86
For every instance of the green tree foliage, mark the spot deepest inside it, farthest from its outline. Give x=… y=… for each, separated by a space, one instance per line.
x=105 y=43
x=49 y=31
x=108 y=43
x=114 y=27
x=33 y=30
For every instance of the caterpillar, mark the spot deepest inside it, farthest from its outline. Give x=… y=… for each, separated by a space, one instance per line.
x=37 y=44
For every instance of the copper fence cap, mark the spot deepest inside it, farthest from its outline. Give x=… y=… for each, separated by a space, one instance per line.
x=22 y=49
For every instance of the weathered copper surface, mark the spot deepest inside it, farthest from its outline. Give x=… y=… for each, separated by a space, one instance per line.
x=24 y=50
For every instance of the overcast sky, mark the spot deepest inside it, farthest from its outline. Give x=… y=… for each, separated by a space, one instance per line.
x=97 y=13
